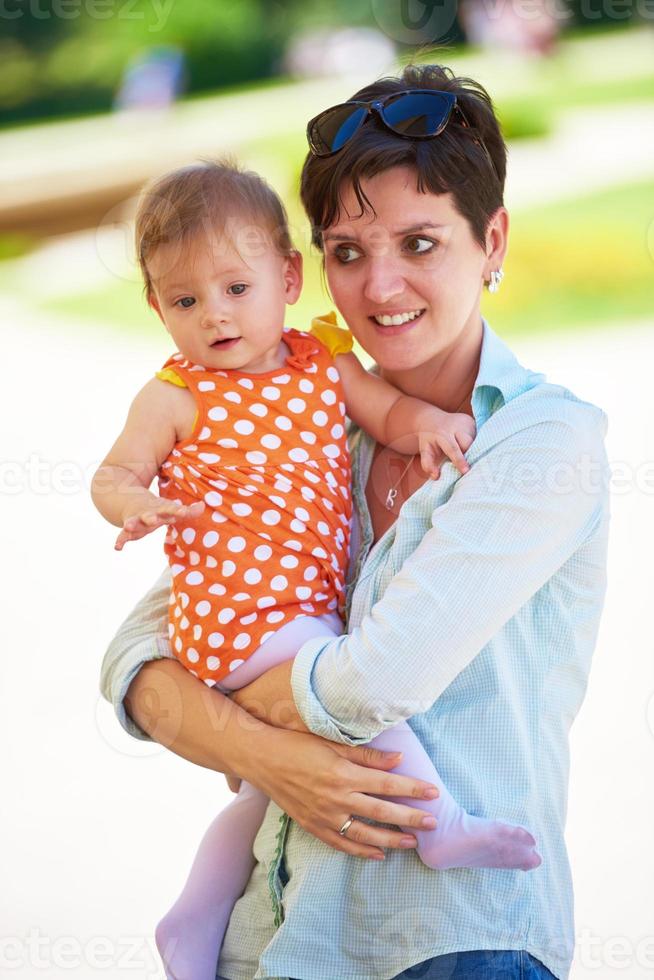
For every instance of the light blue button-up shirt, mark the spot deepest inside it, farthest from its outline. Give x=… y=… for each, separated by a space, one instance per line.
x=474 y=618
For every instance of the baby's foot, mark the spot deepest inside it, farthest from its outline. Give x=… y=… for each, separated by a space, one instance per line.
x=459 y=840
x=189 y=946
x=464 y=841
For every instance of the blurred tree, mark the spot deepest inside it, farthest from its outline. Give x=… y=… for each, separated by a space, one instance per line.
x=36 y=27
x=65 y=57
x=54 y=65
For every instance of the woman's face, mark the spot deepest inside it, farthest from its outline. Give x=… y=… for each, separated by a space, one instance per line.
x=408 y=278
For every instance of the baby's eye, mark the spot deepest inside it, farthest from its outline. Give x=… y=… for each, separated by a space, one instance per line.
x=419 y=246
x=346 y=253
x=186 y=302
x=237 y=289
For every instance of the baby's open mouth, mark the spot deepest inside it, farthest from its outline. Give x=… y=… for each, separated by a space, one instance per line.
x=226 y=342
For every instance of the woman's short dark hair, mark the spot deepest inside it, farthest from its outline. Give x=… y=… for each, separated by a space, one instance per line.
x=453 y=162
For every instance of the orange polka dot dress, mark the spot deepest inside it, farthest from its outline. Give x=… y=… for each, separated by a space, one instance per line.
x=269 y=458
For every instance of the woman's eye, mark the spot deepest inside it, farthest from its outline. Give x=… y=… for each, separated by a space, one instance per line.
x=346 y=253
x=420 y=245
x=186 y=302
x=237 y=289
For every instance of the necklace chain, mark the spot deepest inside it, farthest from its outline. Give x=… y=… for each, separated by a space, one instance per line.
x=389 y=503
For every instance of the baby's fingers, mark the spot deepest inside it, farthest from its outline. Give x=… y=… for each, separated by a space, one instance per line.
x=465 y=438
x=194 y=509
x=185 y=512
x=430 y=461
x=164 y=515
x=152 y=520
x=453 y=452
x=124 y=537
x=136 y=527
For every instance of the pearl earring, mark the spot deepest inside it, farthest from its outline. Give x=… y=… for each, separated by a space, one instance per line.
x=495 y=280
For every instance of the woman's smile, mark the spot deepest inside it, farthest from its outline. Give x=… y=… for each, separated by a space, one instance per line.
x=391 y=323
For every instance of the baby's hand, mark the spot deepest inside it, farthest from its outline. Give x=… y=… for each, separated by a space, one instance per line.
x=150 y=516
x=450 y=438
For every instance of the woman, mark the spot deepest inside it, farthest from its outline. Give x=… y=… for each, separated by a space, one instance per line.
x=473 y=602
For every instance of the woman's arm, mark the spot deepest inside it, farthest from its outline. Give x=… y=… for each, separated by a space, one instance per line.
x=316 y=782
x=508 y=526
x=141 y=638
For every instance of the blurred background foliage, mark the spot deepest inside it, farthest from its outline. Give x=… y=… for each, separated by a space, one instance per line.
x=62 y=58
x=61 y=67
x=581 y=260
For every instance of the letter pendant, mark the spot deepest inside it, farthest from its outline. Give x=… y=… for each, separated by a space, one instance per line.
x=390 y=498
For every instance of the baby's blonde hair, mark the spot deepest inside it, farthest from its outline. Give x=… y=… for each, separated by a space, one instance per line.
x=204 y=198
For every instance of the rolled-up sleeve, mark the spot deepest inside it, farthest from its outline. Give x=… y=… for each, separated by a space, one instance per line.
x=509 y=524
x=142 y=637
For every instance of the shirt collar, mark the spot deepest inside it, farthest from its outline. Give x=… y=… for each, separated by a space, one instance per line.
x=500 y=377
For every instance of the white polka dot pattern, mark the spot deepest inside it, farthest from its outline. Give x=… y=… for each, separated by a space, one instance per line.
x=268 y=456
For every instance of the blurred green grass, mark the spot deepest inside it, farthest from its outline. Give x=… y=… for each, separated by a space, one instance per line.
x=578 y=263
x=534 y=115
x=573 y=263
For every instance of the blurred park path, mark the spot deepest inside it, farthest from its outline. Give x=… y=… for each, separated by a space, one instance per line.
x=123 y=817
x=66 y=172
x=87 y=166
x=586 y=153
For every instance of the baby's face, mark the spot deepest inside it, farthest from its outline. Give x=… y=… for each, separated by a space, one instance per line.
x=224 y=307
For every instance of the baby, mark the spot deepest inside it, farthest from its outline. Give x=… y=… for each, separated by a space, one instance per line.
x=245 y=428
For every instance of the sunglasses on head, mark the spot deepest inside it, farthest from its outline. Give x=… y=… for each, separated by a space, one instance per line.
x=416 y=114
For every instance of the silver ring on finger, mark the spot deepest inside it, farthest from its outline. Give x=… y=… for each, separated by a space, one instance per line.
x=345 y=826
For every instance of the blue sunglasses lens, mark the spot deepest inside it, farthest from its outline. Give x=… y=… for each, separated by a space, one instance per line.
x=418 y=114
x=409 y=114
x=335 y=129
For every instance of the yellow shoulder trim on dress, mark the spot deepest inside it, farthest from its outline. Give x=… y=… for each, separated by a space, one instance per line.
x=168 y=374
x=335 y=339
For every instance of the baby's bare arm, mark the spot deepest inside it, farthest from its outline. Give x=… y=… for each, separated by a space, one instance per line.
x=120 y=486
x=408 y=425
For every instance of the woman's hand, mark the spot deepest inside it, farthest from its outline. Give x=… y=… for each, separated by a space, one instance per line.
x=317 y=782
x=321 y=783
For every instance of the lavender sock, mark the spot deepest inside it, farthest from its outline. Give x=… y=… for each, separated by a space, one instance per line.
x=460 y=840
x=190 y=935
